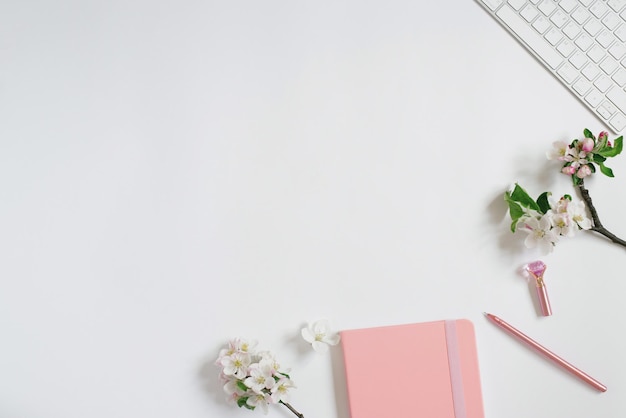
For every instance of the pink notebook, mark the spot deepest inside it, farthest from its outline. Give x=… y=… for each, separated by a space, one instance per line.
x=424 y=370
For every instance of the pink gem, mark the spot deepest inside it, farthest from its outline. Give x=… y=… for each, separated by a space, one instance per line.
x=537 y=268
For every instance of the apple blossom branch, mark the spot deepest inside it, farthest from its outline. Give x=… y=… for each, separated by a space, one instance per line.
x=292 y=409
x=546 y=219
x=597 y=224
x=253 y=379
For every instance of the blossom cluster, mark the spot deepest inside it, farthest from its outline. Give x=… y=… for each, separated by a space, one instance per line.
x=581 y=156
x=252 y=378
x=546 y=219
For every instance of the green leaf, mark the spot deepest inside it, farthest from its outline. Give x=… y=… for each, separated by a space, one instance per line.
x=516 y=212
x=598 y=158
x=616 y=149
x=576 y=180
x=587 y=133
x=606 y=170
x=522 y=197
x=543 y=203
x=619 y=144
x=243 y=401
x=241 y=385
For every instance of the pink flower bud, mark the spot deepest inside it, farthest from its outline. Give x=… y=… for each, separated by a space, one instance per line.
x=602 y=135
x=588 y=144
x=583 y=172
x=569 y=170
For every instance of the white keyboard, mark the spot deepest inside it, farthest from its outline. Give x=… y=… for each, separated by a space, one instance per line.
x=582 y=42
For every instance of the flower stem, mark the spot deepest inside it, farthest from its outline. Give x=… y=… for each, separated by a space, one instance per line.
x=292 y=409
x=597 y=225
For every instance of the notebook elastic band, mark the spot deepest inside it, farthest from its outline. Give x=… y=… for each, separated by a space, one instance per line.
x=456 y=378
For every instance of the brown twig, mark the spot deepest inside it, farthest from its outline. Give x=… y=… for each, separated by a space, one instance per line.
x=292 y=409
x=597 y=225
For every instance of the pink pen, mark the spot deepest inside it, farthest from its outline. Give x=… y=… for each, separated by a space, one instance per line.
x=537 y=269
x=547 y=353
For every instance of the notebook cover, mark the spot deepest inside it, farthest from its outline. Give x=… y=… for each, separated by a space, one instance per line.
x=403 y=371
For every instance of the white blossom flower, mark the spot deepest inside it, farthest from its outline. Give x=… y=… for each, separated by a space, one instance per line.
x=540 y=234
x=232 y=388
x=260 y=400
x=559 y=151
x=558 y=205
x=243 y=346
x=320 y=336
x=562 y=224
x=260 y=377
x=236 y=365
x=280 y=391
x=269 y=360
x=236 y=345
x=577 y=157
x=578 y=214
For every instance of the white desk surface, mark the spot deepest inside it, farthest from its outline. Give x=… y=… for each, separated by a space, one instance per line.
x=177 y=173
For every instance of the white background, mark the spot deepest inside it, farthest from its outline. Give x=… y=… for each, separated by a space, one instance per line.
x=174 y=174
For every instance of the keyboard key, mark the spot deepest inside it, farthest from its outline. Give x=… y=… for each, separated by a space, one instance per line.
x=602 y=83
x=617 y=4
x=592 y=27
x=553 y=36
x=547 y=7
x=620 y=77
x=596 y=53
x=517 y=4
x=581 y=86
x=590 y=71
x=541 y=24
x=568 y=5
x=609 y=107
x=594 y=97
x=618 y=122
x=559 y=18
x=492 y=4
x=609 y=65
x=598 y=9
x=580 y=15
x=571 y=30
x=584 y=42
x=566 y=48
x=605 y=38
x=611 y=21
x=567 y=73
x=617 y=50
x=618 y=97
x=530 y=37
x=578 y=59
x=621 y=33
x=605 y=110
x=586 y=2
x=529 y=13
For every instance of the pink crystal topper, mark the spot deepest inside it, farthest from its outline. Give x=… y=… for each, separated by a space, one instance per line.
x=537 y=269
